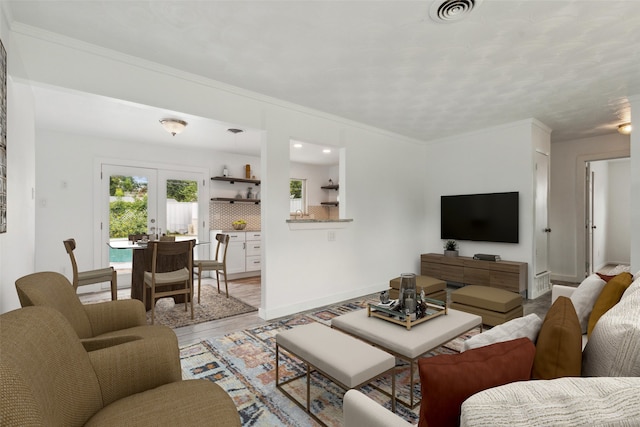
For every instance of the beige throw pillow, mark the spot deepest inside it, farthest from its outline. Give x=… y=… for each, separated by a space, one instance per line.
x=527 y=326
x=585 y=297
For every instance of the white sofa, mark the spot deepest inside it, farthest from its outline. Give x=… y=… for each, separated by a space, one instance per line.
x=607 y=394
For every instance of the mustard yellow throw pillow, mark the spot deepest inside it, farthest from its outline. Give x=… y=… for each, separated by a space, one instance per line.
x=610 y=295
x=559 y=345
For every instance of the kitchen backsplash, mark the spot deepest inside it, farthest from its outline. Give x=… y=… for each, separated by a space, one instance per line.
x=222 y=214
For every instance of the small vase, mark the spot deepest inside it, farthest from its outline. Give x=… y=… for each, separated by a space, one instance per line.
x=451 y=253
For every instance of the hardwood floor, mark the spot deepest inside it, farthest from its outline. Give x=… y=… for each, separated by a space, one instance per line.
x=249 y=291
x=246 y=290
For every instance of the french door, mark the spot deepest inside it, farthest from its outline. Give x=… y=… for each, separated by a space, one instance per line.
x=154 y=201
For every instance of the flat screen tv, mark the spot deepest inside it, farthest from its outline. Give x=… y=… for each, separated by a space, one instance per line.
x=491 y=217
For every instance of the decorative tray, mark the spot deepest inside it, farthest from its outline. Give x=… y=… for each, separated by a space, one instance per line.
x=386 y=312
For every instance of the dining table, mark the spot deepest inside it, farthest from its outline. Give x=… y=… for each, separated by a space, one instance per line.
x=142 y=261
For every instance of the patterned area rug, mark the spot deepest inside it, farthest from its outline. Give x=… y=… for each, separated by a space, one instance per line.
x=212 y=306
x=243 y=363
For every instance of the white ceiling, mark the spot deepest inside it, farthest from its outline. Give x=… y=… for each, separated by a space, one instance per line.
x=571 y=64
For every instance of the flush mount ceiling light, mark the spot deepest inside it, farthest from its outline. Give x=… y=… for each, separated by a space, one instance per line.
x=173 y=126
x=446 y=11
x=234 y=131
x=625 y=128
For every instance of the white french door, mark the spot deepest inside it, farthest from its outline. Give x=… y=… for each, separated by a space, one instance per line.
x=149 y=200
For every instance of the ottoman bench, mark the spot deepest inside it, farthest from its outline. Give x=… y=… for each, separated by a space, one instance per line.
x=433 y=288
x=495 y=305
x=345 y=360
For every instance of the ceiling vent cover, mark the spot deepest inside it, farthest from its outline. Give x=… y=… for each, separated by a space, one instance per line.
x=452 y=10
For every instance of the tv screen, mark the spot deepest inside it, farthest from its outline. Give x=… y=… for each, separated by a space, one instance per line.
x=489 y=217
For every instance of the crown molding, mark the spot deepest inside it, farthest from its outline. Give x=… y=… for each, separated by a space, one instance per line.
x=92 y=49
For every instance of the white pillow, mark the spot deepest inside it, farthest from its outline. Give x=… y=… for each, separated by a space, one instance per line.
x=613 y=349
x=527 y=326
x=585 y=296
x=635 y=285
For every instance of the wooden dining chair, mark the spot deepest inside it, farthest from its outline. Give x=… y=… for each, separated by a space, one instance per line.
x=167 y=238
x=89 y=277
x=219 y=264
x=169 y=283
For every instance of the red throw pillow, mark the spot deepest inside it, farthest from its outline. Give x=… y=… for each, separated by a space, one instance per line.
x=448 y=380
x=605 y=277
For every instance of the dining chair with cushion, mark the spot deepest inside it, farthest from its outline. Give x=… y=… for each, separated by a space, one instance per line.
x=89 y=277
x=96 y=325
x=48 y=379
x=169 y=283
x=219 y=264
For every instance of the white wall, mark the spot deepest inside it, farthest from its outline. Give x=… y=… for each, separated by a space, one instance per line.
x=17 y=245
x=634 y=101
x=499 y=159
x=566 y=213
x=301 y=269
x=618 y=227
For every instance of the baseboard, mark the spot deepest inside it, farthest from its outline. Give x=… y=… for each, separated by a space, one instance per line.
x=566 y=278
x=287 y=310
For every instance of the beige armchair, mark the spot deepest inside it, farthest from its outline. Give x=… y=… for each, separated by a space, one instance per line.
x=47 y=378
x=97 y=324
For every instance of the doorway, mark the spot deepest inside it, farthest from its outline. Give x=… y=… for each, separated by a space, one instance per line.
x=607 y=213
x=153 y=201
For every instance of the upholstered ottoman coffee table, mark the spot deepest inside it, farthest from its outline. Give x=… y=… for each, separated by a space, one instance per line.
x=408 y=345
x=345 y=360
x=433 y=288
x=495 y=305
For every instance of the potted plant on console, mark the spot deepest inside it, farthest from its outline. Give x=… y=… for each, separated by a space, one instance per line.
x=451 y=248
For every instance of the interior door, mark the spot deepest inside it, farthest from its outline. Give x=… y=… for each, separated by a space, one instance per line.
x=542 y=229
x=589 y=218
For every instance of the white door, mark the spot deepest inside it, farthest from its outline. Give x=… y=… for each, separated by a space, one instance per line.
x=542 y=229
x=589 y=222
x=130 y=196
x=152 y=201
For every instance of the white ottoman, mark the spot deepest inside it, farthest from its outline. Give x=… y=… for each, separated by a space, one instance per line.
x=345 y=360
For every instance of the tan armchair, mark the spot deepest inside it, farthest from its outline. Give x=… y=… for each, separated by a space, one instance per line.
x=97 y=324
x=47 y=378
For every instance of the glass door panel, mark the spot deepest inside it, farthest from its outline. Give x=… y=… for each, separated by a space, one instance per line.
x=131 y=208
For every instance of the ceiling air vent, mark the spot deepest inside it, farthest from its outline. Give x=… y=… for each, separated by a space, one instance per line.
x=452 y=10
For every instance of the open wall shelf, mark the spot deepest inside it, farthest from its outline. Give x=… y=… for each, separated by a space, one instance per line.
x=232 y=200
x=233 y=180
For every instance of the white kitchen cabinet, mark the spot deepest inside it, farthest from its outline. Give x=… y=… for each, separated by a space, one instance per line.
x=244 y=253
x=253 y=260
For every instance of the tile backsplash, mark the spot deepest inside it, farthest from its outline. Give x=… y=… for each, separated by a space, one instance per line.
x=222 y=214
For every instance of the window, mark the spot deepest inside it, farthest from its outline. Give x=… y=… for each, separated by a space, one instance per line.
x=298 y=195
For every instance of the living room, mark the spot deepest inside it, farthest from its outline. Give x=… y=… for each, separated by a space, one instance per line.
x=391 y=181
x=407 y=174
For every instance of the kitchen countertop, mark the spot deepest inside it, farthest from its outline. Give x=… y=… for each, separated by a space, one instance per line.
x=317 y=224
x=308 y=221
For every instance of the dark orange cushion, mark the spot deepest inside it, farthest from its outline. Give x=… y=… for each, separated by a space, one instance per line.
x=448 y=380
x=605 y=277
x=559 y=344
x=610 y=295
